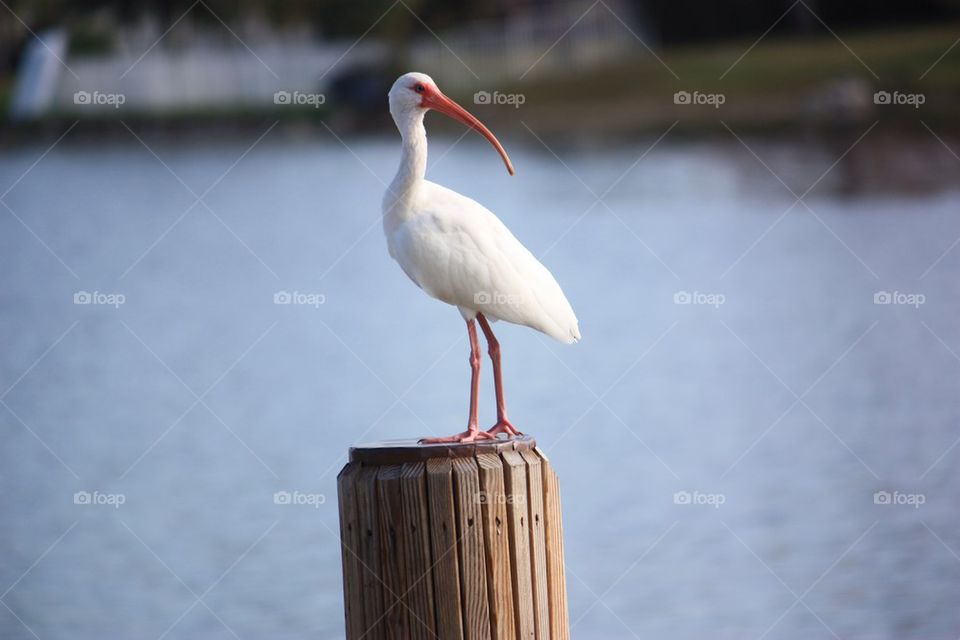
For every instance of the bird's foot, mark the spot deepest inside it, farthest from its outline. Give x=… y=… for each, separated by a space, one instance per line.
x=470 y=435
x=503 y=426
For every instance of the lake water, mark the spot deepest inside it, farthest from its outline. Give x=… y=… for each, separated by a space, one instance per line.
x=781 y=399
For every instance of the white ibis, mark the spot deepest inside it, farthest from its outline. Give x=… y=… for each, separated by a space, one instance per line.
x=459 y=252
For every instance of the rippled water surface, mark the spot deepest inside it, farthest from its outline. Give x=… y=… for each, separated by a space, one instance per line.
x=780 y=400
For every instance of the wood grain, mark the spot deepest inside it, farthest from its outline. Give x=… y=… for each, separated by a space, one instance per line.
x=416 y=552
x=452 y=543
x=515 y=482
x=443 y=532
x=553 y=536
x=349 y=544
x=392 y=568
x=369 y=554
x=496 y=545
x=412 y=450
x=538 y=552
x=473 y=568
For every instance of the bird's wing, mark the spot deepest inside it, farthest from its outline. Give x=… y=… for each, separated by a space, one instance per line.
x=459 y=252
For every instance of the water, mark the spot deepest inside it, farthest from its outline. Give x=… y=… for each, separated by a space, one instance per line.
x=791 y=403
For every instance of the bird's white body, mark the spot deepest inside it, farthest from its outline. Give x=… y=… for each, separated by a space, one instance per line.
x=459 y=252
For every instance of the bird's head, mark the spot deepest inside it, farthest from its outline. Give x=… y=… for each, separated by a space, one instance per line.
x=413 y=94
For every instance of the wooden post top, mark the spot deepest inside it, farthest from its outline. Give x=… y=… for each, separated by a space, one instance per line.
x=411 y=450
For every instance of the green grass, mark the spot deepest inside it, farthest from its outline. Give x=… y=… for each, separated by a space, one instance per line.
x=773 y=77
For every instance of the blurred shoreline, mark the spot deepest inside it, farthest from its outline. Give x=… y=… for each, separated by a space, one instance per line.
x=829 y=88
x=892 y=159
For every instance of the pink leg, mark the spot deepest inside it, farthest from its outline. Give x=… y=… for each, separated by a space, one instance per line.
x=473 y=433
x=493 y=348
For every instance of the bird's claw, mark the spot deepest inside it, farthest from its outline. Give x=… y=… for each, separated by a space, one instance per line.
x=504 y=426
x=468 y=436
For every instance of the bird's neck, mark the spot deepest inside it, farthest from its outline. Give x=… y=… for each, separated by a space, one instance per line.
x=413 y=164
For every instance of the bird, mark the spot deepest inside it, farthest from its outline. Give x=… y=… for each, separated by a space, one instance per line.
x=460 y=253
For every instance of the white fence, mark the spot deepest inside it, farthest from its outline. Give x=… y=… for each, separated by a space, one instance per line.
x=190 y=69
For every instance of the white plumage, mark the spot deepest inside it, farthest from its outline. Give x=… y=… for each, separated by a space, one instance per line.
x=458 y=252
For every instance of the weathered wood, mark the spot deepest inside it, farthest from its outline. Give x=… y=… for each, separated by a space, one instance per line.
x=393 y=571
x=443 y=532
x=452 y=542
x=473 y=570
x=349 y=544
x=496 y=544
x=515 y=481
x=369 y=554
x=416 y=552
x=410 y=450
x=553 y=530
x=538 y=552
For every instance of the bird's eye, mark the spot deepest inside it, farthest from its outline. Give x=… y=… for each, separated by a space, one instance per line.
x=420 y=88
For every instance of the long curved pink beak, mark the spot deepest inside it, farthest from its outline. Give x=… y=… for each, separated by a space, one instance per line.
x=433 y=99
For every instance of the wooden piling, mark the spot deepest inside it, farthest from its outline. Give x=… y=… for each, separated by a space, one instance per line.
x=458 y=541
